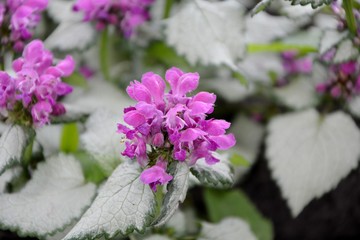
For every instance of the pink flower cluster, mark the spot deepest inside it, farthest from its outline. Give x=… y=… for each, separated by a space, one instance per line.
x=30 y=97
x=293 y=65
x=17 y=20
x=124 y=14
x=343 y=81
x=172 y=126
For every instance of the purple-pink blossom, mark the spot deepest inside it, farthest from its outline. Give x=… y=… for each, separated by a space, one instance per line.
x=31 y=96
x=126 y=15
x=166 y=127
x=343 y=81
x=18 y=18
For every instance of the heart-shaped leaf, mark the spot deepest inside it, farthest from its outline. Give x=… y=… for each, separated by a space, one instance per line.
x=309 y=154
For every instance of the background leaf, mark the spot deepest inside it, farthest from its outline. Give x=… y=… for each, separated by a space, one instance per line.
x=221 y=204
x=227 y=229
x=214 y=33
x=309 y=154
x=55 y=196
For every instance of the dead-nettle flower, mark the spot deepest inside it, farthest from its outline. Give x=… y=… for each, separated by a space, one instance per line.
x=293 y=65
x=124 y=14
x=30 y=97
x=343 y=81
x=171 y=126
x=18 y=18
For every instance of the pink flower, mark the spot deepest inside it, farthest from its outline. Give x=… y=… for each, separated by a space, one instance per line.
x=172 y=124
x=343 y=81
x=127 y=15
x=37 y=84
x=156 y=175
x=22 y=17
x=40 y=113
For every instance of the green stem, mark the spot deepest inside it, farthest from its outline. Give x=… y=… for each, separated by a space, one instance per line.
x=2 y=62
x=104 y=53
x=167 y=8
x=350 y=18
x=28 y=152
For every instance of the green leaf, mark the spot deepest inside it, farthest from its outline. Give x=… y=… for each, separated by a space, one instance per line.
x=76 y=79
x=241 y=78
x=166 y=55
x=260 y=7
x=104 y=54
x=69 y=138
x=280 y=47
x=221 y=204
x=13 y=143
x=92 y=170
x=314 y=3
x=239 y=161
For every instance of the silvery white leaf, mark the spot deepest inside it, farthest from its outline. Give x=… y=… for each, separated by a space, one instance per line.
x=218 y=175
x=248 y=134
x=8 y=176
x=208 y=32
x=257 y=27
x=124 y=204
x=319 y=74
x=99 y=95
x=314 y=3
x=61 y=11
x=329 y=39
x=298 y=94
x=310 y=37
x=157 y=237
x=71 y=36
x=101 y=138
x=309 y=154
x=345 y=51
x=12 y=145
x=228 y=87
x=176 y=194
x=297 y=11
x=260 y=6
x=49 y=138
x=178 y=223
x=228 y=229
x=354 y=106
x=325 y=21
x=256 y=67
x=55 y=196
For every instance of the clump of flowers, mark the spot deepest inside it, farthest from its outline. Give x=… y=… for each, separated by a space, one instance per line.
x=31 y=96
x=126 y=15
x=343 y=81
x=18 y=18
x=171 y=126
x=293 y=65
